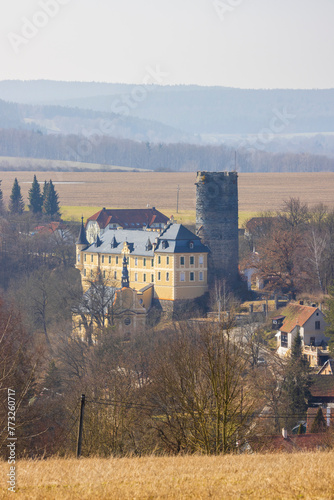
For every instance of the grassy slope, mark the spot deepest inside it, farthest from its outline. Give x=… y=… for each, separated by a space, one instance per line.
x=279 y=476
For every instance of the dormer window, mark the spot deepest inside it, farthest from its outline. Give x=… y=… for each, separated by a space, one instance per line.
x=191 y=244
x=148 y=245
x=165 y=244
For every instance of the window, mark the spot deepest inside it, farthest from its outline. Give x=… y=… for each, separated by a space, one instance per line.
x=92 y=258
x=78 y=257
x=104 y=274
x=109 y=259
x=144 y=277
x=136 y=276
x=182 y=261
x=182 y=277
x=167 y=261
x=84 y=272
x=192 y=276
x=317 y=325
x=191 y=244
x=115 y=275
x=91 y=273
x=312 y=340
x=159 y=259
x=192 y=260
x=152 y=278
x=102 y=258
x=127 y=321
x=144 y=262
x=159 y=276
x=201 y=275
x=85 y=256
x=167 y=276
x=152 y=262
x=284 y=340
x=136 y=261
x=200 y=259
x=116 y=260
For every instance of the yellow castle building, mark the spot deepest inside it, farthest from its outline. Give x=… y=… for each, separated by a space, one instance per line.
x=163 y=265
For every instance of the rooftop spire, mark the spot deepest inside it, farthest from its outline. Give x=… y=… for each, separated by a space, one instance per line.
x=82 y=239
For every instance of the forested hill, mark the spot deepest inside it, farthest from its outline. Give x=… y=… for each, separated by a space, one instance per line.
x=106 y=150
x=190 y=108
x=168 y=127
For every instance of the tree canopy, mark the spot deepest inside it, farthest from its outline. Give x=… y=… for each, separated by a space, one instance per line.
x=35 y=197
x=16 y=203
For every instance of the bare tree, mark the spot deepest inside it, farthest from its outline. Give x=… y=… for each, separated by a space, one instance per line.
x=201 y=388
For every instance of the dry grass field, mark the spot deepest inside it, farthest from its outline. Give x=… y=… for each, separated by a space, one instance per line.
x=309 y=476
x=257 y=191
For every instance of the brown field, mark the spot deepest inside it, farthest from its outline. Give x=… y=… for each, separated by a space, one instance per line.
x=280 y=476
x=257 y=192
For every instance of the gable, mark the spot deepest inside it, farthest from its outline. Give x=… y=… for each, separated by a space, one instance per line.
x=297 y=315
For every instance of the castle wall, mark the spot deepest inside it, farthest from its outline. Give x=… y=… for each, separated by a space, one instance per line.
x=217 y=222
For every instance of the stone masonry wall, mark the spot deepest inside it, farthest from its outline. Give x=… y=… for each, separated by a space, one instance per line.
x=217 y=222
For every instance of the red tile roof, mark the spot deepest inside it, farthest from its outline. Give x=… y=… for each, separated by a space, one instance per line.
x=293 y=442
x=128 y=218
x=295 y=314
x=322 y=386
x=49 y=228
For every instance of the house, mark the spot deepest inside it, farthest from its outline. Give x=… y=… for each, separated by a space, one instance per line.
x=277 y=322
x=130 y=219
x=310 y=323
x=322 y=390
x=289 y=443
x=327 y=368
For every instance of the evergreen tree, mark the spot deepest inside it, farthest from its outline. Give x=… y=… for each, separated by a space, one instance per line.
x=35 y=197
x=50 y=200
x=319 y=423
x=297 y=383
x=16 y=203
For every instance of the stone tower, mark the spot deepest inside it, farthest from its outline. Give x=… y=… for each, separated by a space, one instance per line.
x=217 y=223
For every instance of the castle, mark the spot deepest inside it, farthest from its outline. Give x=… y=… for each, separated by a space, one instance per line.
x=165 y=265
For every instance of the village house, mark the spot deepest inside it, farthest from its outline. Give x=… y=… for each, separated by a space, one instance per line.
x=310 y=323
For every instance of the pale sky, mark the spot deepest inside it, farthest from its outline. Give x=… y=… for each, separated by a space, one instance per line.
x=234 y=43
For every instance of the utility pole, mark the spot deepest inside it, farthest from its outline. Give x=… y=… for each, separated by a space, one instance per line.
x=177 y=198
x=82 y=408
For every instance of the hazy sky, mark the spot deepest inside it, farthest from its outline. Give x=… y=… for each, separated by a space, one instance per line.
x=237 y=43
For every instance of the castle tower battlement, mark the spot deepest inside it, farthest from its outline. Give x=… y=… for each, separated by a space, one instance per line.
x=217 y=222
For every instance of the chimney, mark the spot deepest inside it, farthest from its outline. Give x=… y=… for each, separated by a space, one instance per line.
x=285 y=433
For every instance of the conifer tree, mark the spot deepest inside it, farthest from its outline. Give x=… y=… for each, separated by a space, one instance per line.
x=50 y=200
x=297 y=383
x=16 y=203
x=35 y=197
x=319 y=423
